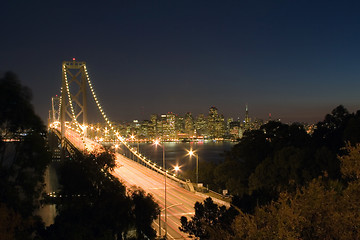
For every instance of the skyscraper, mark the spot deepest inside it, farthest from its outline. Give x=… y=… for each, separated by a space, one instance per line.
x=189 y=124
x=216 y=123
x=247 y=121
x=201 y=125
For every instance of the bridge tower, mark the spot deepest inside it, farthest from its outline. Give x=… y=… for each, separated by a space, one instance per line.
x=73 y=104
x=55 y=109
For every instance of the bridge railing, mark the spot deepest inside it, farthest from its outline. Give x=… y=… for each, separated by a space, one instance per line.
x=150 y=163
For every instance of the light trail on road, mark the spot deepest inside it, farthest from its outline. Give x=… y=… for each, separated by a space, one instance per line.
x=180 y=201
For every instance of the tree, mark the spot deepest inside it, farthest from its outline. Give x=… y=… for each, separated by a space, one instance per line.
x=240 y=162
x=280 y=157
x=96 y=205
x=23 y=159
x=209 y=222
x=16 y=111
x=330 y=132
x=324 y=209
x=145 y=210
x=275 y=174
x=352 y=129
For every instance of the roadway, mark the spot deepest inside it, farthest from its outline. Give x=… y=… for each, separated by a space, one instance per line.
x=180 y=202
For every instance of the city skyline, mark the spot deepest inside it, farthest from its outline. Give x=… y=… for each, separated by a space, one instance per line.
x=174 y=127
x=295 y=60
x=241 y=115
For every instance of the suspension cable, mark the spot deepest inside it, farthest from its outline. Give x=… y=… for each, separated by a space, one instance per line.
x=148 y=162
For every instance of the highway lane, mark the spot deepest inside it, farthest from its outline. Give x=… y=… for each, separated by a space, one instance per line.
x=180 y=202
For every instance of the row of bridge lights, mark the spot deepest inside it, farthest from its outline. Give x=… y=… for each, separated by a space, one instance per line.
x=143 y=158
x=157 y=143
x=107 y=121
x=177 y=168
x=96 y=100
x=164 y=170
x=149 y=162
x=79 y=126
x=112 y=128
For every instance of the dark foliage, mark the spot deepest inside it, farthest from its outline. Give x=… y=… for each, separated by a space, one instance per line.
x=16 y=111
x=280 y=157
x=209 y=219
x=95 y=205
x=285 y=180
x=23 y=160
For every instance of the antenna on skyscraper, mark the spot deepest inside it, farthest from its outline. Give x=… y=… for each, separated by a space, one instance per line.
x=246 y=114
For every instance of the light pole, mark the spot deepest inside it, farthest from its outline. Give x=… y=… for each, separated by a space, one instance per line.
x=191 y=153
x=157 y=142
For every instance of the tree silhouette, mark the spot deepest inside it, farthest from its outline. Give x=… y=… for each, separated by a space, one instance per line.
x=209 y=222
x=23 y=160
x=96 y=205
x=16 y=111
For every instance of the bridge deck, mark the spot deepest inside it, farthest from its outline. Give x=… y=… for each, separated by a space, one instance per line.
x=180 y=202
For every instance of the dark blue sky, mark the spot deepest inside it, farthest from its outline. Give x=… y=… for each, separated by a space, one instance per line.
x=294 y=59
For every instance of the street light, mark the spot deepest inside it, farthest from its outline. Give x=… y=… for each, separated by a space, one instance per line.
x=157 y=143
x=175 y=170
x=191 y=153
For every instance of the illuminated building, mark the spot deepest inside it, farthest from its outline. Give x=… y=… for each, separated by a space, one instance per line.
x=189 y=124
x=247 y=119
x=153 y=132
x=216 y=124
x=179 y=125
x=169 y=129
x=201 y=125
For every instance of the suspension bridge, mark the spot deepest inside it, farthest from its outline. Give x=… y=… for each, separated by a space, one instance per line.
x=69 y=121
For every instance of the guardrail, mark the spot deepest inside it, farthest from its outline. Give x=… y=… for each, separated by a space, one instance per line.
x=152 y=165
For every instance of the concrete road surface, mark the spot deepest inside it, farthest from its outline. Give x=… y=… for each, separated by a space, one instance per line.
x=180 y=202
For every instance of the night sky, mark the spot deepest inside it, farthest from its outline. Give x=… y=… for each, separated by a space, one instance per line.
x=294 y=59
